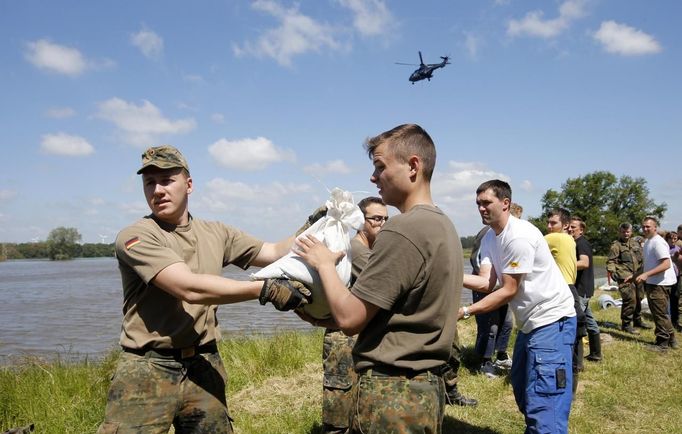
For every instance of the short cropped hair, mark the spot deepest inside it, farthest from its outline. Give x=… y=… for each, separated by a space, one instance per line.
x=516 y=210
x=625 y=226
x=501 y=189
x=407 y=140
x=651 y=218
x=563 y=213
x=364 y=203
x=669 y=235
x=580 y=222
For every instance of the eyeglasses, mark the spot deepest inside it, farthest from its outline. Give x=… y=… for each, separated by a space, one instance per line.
x=377 y=218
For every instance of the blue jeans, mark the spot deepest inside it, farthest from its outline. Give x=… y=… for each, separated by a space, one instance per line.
x=542 y=377
x=591 y=323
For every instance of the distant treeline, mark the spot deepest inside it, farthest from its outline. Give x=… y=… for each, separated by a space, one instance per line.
x=41 y=250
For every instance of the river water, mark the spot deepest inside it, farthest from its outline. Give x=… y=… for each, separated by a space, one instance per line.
x=73 y=309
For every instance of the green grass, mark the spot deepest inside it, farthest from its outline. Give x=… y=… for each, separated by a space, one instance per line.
x=275 y=387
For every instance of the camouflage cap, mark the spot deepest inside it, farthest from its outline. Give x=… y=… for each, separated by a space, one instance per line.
x=163 y=157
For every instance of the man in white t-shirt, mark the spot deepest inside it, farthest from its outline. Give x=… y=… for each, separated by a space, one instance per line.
x=658 y=277
x=515 y=254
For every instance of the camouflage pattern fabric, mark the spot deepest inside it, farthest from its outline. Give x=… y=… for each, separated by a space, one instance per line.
x=631 y=295
x=148 y=394
x=452 y=366
x=398 y=405
x=339 y=377
x=625 y=260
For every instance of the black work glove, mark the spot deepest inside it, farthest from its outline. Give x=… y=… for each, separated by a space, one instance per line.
x=284 y=294
x=312 y=218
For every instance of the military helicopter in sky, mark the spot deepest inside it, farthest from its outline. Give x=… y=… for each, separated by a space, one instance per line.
x=425 y=71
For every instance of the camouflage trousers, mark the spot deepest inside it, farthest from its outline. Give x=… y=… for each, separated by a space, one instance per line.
x=339 y=376
x=631 y=295
x=149 y=393
x=398 y=405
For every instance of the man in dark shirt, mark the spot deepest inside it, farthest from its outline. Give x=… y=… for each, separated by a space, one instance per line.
x=584 y=284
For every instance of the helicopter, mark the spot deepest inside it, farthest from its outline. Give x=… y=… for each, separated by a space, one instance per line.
x=425 y=71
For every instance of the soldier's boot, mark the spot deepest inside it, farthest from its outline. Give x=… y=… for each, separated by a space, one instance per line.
x=628 y=328
x=575 y=383
x=595 y=347
x=454 y=397
x=642 y=325
x=579 y=351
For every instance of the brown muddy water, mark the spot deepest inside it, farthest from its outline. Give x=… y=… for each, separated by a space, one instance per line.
x=72 y=309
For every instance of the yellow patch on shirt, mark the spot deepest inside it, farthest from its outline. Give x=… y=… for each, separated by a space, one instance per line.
x=132 y=242
x=513 y=264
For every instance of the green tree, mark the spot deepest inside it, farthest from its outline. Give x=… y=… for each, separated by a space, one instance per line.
x=603 y=202
x=62 y=243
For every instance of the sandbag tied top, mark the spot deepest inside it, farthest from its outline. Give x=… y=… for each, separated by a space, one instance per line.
x=334 y=231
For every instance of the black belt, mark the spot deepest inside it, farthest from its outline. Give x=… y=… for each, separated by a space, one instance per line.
x=394 y=371
x=174 y=353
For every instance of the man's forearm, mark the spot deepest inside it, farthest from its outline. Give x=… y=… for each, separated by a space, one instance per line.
x=179 y=281
x=476 y=283
x=348 y=311
x=494 y=300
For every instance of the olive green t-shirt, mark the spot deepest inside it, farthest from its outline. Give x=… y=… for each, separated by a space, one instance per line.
x=359 y=255
x=414 y=275
x=153 y=317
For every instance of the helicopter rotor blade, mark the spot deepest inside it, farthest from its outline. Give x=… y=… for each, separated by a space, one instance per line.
x=410 y=64
x=421 y=61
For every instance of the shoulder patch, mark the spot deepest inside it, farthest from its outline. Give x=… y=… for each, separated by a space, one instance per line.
x=132 y=242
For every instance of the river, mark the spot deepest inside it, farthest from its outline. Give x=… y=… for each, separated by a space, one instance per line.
x=73 y=309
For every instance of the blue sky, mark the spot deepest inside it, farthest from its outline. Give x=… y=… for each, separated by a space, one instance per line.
x=271 y=100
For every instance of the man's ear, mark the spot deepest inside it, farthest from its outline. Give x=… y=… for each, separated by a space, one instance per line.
x=189 y=185
x=506 y=204
x=415 y=164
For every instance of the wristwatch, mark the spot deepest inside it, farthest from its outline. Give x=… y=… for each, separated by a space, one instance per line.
x=465 y=310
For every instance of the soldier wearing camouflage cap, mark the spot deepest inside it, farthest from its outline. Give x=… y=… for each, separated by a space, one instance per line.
x=171 y=265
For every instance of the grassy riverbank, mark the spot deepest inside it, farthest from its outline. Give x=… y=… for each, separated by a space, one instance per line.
x=275 y=387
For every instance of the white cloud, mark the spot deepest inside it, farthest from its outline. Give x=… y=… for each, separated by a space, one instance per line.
x=335 y=166
x=6 y=194
x=218 y=118
x=60 y=112
x=193 y=78
x=533 y=23
x=136 y=208
x=66 y=144
x=296 y=34
x=57 y=58
x=526 y=185
x=141 y=125
x=471 y=43
x=223 y=195
x=149 y=43
x=372 y=17
x=248 y=154
x=625 y=40
x=454 y=191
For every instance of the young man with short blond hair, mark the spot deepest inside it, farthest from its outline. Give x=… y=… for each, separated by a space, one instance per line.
x=402 y=303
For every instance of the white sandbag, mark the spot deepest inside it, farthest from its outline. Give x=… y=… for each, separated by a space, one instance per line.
x=334 y=230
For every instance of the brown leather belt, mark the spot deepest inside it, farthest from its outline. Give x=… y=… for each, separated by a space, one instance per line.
x=174 y=353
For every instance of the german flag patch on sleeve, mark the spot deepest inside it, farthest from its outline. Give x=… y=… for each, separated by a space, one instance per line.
x=132 y=242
